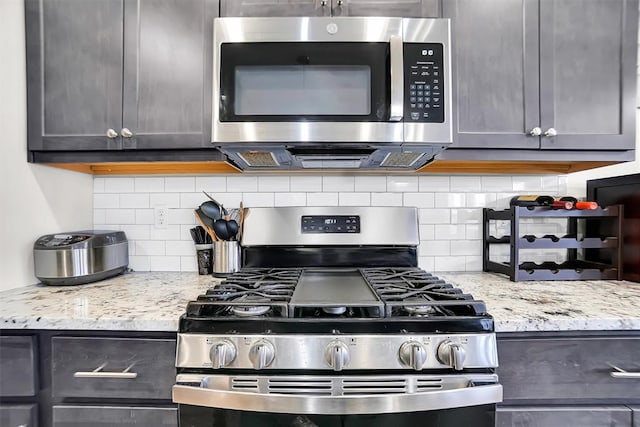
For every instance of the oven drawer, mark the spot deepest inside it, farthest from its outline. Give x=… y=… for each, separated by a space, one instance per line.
x=113 y=367
x=19 y=415
x=114 y=416
x=18 y=367
x=569 y=368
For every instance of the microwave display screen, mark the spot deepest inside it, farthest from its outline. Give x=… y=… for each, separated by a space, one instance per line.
x=294 y=90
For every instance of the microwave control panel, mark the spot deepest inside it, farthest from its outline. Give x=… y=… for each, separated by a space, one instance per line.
x=323 y=224
x=423 y=83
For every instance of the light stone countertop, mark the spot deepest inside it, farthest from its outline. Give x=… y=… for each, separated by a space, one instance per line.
x=155 y=301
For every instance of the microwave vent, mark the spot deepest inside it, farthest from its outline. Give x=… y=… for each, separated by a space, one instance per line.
x=259 y=159
x=400 y=159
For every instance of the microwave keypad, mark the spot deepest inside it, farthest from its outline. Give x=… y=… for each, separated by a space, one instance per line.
x=423 y=83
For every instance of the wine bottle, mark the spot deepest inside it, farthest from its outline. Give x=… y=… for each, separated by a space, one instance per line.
x=562 y=204
x=578 y=204
x=531 y=200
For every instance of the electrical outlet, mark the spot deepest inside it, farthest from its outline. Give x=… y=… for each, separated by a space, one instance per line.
x=161 y=216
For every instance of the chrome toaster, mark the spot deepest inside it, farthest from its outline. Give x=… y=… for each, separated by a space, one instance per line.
x=80 y=256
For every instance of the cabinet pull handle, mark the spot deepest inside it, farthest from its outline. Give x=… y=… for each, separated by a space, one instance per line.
x=126 y=133
x=323 y=3
x=111 y=134
x=621 y=373
x=536 y=131
x=550 y=133
x=99 y=373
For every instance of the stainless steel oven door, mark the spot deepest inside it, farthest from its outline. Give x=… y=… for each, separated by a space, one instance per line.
x=337 y=395
x=293 y=80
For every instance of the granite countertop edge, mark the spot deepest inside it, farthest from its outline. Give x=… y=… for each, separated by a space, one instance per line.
x=115 y=304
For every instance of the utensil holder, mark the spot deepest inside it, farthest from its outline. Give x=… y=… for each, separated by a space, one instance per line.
x=204 y=256
x=226 y=257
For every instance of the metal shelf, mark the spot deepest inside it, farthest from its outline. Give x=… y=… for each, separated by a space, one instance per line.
x=574 y=268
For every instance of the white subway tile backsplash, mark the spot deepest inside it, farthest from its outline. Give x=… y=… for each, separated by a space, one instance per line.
x=148 y=185
x=354 y=199
x=150 y=247
x=118 y=185
x=180 y=247
x=402 y=184
x=306 y=183
x=120 y=216
x=134 y=200
x=273 y=183
x=102 y=201
x=466 y=216
x=180 y=184
x=386 y=199
x=450 y=232
x=496 y=183
x=242 y=183
x=338 y=183
x=436 y=184
x=450 y=200
x=290 y=199
x=465 y=184
x=258 y=200
x=170 y=200
x=434 y=216
x=371 y=183
x=419 y=200
x=165 y=263
x=211 y=184
x=322 y=199
x=450 y=210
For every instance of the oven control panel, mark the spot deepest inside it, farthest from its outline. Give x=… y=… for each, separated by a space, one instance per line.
x=423 y=83
x=325 y=224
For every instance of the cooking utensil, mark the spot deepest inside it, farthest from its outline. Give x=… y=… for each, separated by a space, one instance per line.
x=212 y=210
x=224 y=211
x=206 y=223
x=225 y=228
x=240 y=220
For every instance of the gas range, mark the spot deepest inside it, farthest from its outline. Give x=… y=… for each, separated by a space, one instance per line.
x=331 y=315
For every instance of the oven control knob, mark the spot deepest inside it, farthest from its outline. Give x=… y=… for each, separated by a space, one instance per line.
x=452 y=354
x=222 y=354
x=337 y=355
x=413 y=354
x=262 y=354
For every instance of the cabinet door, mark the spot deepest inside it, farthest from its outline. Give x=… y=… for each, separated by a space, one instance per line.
x=403 y=8
x=546 y=416
x=275 y=7
x=114 y=416
x=495 y=72
x=19 y=415
x=167 y=73
x=74 y=74
x=18 y=366
x=588 y=73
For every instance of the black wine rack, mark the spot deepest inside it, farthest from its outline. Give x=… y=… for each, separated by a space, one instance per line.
x=575 y=267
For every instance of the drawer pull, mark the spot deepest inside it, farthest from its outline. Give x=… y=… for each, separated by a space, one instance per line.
x=99 y=373
x=621 y=373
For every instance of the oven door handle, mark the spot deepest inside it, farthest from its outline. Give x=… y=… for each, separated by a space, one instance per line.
x=397 y=78
x=338 y=405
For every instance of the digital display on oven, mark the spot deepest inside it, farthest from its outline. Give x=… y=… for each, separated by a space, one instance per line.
x=323 y=224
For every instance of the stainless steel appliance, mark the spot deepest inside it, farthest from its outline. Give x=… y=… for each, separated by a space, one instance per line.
x=339 y=92
x=330 y=322
x=80 y=256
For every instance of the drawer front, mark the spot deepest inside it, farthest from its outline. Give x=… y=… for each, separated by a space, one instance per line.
x=545 y=416
x=19 y=415
x=18 y=366
x=567 y=368
x=114 y=416
x=125 y=368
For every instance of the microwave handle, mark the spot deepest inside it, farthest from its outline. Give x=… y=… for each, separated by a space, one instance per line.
x=397 y=79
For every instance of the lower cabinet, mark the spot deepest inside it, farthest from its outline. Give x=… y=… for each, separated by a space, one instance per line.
x=19 y=415
x=564 y=416
x=113 y=416
x=636 y=416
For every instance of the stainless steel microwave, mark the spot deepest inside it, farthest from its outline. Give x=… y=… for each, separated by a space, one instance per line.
x=331 y=92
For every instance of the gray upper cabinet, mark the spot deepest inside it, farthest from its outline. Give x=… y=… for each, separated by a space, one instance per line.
x=550 y=74
x=113 y=74
x=588 y=73
x=495 y=72
x=404 y=8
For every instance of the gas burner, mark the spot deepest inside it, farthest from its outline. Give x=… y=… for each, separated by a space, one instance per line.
x=250 y=310
x=419 y=310
x=334 y=310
